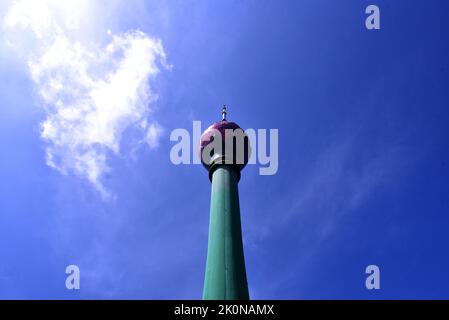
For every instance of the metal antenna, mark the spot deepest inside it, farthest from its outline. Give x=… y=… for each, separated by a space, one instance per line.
x=224 y=112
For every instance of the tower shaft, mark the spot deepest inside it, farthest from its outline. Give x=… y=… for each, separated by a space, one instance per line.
x=225 y=277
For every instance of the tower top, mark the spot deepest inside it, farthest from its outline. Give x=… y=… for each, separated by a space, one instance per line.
x=224 y=112
x=224 y=142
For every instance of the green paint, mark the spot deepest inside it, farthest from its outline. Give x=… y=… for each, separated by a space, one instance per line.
x=225 y=268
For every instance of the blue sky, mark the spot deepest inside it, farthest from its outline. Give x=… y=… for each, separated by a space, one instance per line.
x=363 y=153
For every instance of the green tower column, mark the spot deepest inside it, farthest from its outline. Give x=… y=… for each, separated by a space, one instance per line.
x=225 y=277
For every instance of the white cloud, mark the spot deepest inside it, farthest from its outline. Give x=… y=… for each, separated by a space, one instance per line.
x=153 y=134
x=91 y=93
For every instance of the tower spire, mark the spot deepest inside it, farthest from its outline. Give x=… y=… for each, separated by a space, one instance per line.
x=225 y=275
x=224 y=112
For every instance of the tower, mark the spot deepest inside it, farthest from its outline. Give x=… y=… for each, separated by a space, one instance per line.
x=224 y=151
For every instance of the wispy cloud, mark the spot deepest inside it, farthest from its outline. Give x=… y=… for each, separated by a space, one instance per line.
x=342 y=180
x=91 y=92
